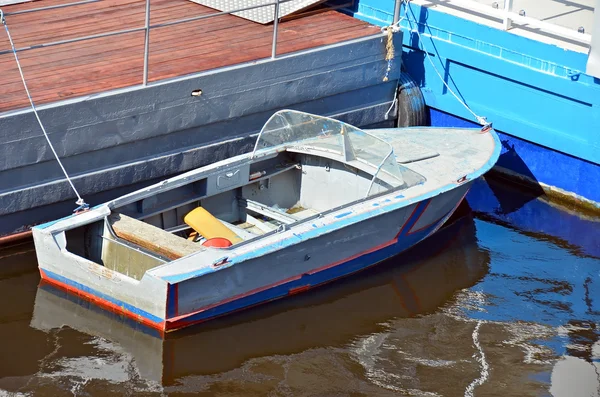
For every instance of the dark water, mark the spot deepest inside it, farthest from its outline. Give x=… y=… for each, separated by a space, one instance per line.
x=482 y=308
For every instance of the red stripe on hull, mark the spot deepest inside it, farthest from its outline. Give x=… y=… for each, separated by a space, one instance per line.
x=102 y=302
x=174 y=320
x=411 y=231
x=181 y=323
x=407 y=221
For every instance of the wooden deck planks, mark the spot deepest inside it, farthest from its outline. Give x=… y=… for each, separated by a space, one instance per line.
x=102 y=64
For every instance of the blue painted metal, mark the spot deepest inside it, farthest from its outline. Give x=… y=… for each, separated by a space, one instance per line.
x=414 y=218
x=172 y=301
x=500 y=75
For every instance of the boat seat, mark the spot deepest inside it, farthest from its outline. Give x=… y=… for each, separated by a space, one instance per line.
x=151 y=237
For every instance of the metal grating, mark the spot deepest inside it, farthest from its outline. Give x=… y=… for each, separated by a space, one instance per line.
x=265 y=14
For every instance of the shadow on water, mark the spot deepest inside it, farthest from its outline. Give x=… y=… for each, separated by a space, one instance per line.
x=412 y=284
x=532 y=214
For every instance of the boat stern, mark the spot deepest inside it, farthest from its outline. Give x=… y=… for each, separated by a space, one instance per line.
x=74 y=254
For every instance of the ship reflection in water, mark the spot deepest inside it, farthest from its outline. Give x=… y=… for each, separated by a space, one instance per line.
x=479 y=309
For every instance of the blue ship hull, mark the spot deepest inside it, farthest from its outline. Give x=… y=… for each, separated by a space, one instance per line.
x=542 y=105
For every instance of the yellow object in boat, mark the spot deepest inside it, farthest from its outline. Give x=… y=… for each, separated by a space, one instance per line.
x=208 y=226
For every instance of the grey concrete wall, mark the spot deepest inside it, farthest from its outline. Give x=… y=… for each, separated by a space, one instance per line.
x=118 y=141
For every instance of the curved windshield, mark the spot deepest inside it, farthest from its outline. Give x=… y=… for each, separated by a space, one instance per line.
x=289 y=129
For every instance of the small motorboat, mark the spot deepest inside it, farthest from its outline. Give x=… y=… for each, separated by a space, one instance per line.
x=401 y=287
x=317 y=199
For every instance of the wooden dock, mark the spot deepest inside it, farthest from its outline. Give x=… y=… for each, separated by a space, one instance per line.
x=86 y=67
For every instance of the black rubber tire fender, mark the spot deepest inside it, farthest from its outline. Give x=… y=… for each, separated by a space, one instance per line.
x=412 y=110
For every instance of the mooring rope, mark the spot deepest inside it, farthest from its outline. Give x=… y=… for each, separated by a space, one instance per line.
x=480 y=119
x=389 y=53
x=80 y=202
x=389 y=45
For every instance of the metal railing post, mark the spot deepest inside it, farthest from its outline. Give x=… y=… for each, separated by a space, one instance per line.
x=397 y=11
x=507 y=22
x=147 y=42
x=275 y=26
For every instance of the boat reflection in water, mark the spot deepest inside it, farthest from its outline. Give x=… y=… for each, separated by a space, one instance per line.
x=413 y=283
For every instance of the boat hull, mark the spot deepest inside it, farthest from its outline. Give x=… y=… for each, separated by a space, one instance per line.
x=298 y=268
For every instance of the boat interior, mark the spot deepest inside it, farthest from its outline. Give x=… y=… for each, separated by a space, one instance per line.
x=284 y=183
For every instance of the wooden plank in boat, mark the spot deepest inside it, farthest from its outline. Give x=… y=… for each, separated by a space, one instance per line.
x=151 y=238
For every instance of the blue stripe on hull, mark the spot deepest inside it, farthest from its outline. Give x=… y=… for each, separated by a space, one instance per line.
x=91 y=306
x=538 y=163
x=308 y=280
x=101 y=296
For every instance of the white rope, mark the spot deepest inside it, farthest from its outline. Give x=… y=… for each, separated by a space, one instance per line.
x=485 y=368
x=80 y=202
x=480 y=119
x=395 y=26
x=393 y=105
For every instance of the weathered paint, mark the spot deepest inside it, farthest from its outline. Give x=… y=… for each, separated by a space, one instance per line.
x=304 y=283
x=322 y=275
x=360 y=213
x=291 y=285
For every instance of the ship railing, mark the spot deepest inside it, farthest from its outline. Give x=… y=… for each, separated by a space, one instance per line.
x=147 y=27
x=506 y=15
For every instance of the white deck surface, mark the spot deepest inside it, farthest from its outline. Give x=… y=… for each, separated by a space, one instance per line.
x=564 y=13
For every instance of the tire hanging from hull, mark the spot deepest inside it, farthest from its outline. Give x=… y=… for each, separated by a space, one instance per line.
x=412 y=111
